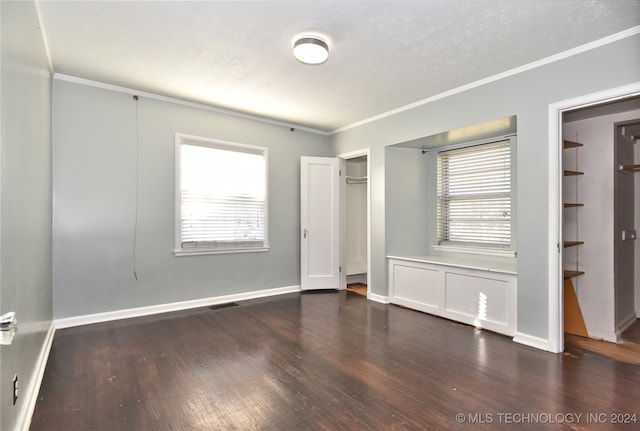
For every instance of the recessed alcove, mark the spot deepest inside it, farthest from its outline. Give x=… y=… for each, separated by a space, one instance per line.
x=410 y=184
x=473 y=285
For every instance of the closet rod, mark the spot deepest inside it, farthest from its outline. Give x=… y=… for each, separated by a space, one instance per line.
x=356 y=180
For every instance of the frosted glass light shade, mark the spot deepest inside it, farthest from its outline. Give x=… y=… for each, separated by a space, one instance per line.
x=311 y=50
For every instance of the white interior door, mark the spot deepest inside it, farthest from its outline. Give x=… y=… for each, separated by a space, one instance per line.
x=320 y=223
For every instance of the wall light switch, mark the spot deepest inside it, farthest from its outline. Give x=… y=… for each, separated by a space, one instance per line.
x=628 y=235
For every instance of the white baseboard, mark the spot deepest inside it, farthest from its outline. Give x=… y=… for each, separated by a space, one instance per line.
x=32 y=391
x=601 y=334
x=378 y=298
x=128 y=313
x=531 y=341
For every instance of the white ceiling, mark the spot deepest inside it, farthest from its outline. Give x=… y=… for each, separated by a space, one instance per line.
x=384 y=55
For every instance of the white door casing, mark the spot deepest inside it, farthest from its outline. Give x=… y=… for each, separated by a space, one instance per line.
x=344 y=157
x=555 y=339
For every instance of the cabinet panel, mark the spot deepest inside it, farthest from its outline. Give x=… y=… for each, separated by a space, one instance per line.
x=482 y=296
x=416 y=284
x=483 y=299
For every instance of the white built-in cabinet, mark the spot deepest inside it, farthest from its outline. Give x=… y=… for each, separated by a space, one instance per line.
x=474 y=291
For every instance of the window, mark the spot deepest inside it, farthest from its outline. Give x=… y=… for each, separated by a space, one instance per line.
x=221 y=197
x=474 y=196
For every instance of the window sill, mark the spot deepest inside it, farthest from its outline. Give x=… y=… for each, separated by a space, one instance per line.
x=203 y=251
x=474 y=250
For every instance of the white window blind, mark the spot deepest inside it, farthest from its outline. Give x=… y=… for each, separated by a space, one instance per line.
x=222 y=196
x=474 y=196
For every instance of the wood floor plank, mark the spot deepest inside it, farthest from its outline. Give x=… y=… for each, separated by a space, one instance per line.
x=625 y=351
x=632 y=334
x=327 y=361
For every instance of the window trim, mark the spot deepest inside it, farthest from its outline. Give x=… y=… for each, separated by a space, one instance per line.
x=180 y=139
x=510 y=251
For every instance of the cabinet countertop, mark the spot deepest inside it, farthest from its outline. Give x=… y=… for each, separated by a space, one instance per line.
x=464 y=262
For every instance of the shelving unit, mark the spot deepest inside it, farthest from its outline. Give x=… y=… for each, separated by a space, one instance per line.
x=569 y=173
x=573 y=319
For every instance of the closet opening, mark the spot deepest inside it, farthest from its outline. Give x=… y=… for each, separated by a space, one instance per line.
x=600 y=220
x=356 y=223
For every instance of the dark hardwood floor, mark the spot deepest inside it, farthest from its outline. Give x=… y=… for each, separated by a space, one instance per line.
x=632 y=334
x=359 y=288
x=627 y=350
x=322 y=361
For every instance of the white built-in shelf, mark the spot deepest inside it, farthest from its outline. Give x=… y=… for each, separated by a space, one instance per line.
x=479 y=263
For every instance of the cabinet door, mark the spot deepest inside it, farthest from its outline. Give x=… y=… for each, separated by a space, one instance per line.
x=415 y=286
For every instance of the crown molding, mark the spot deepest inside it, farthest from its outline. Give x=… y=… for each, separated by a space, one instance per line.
x=548 y=60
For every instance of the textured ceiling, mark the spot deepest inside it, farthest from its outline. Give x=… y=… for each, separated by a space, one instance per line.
x=384 y=54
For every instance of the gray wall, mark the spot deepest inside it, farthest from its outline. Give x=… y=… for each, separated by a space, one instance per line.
x=527 y=95
x=95 y=174
x=25 y=219
x=407 y=188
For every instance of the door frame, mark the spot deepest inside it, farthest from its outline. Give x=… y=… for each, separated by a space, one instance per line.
x=343 y=228
x=555 y=341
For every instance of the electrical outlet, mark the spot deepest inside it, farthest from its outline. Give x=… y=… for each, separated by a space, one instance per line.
x=15 y=389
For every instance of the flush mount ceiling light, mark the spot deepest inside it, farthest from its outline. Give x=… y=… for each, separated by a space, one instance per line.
x=310 y=50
